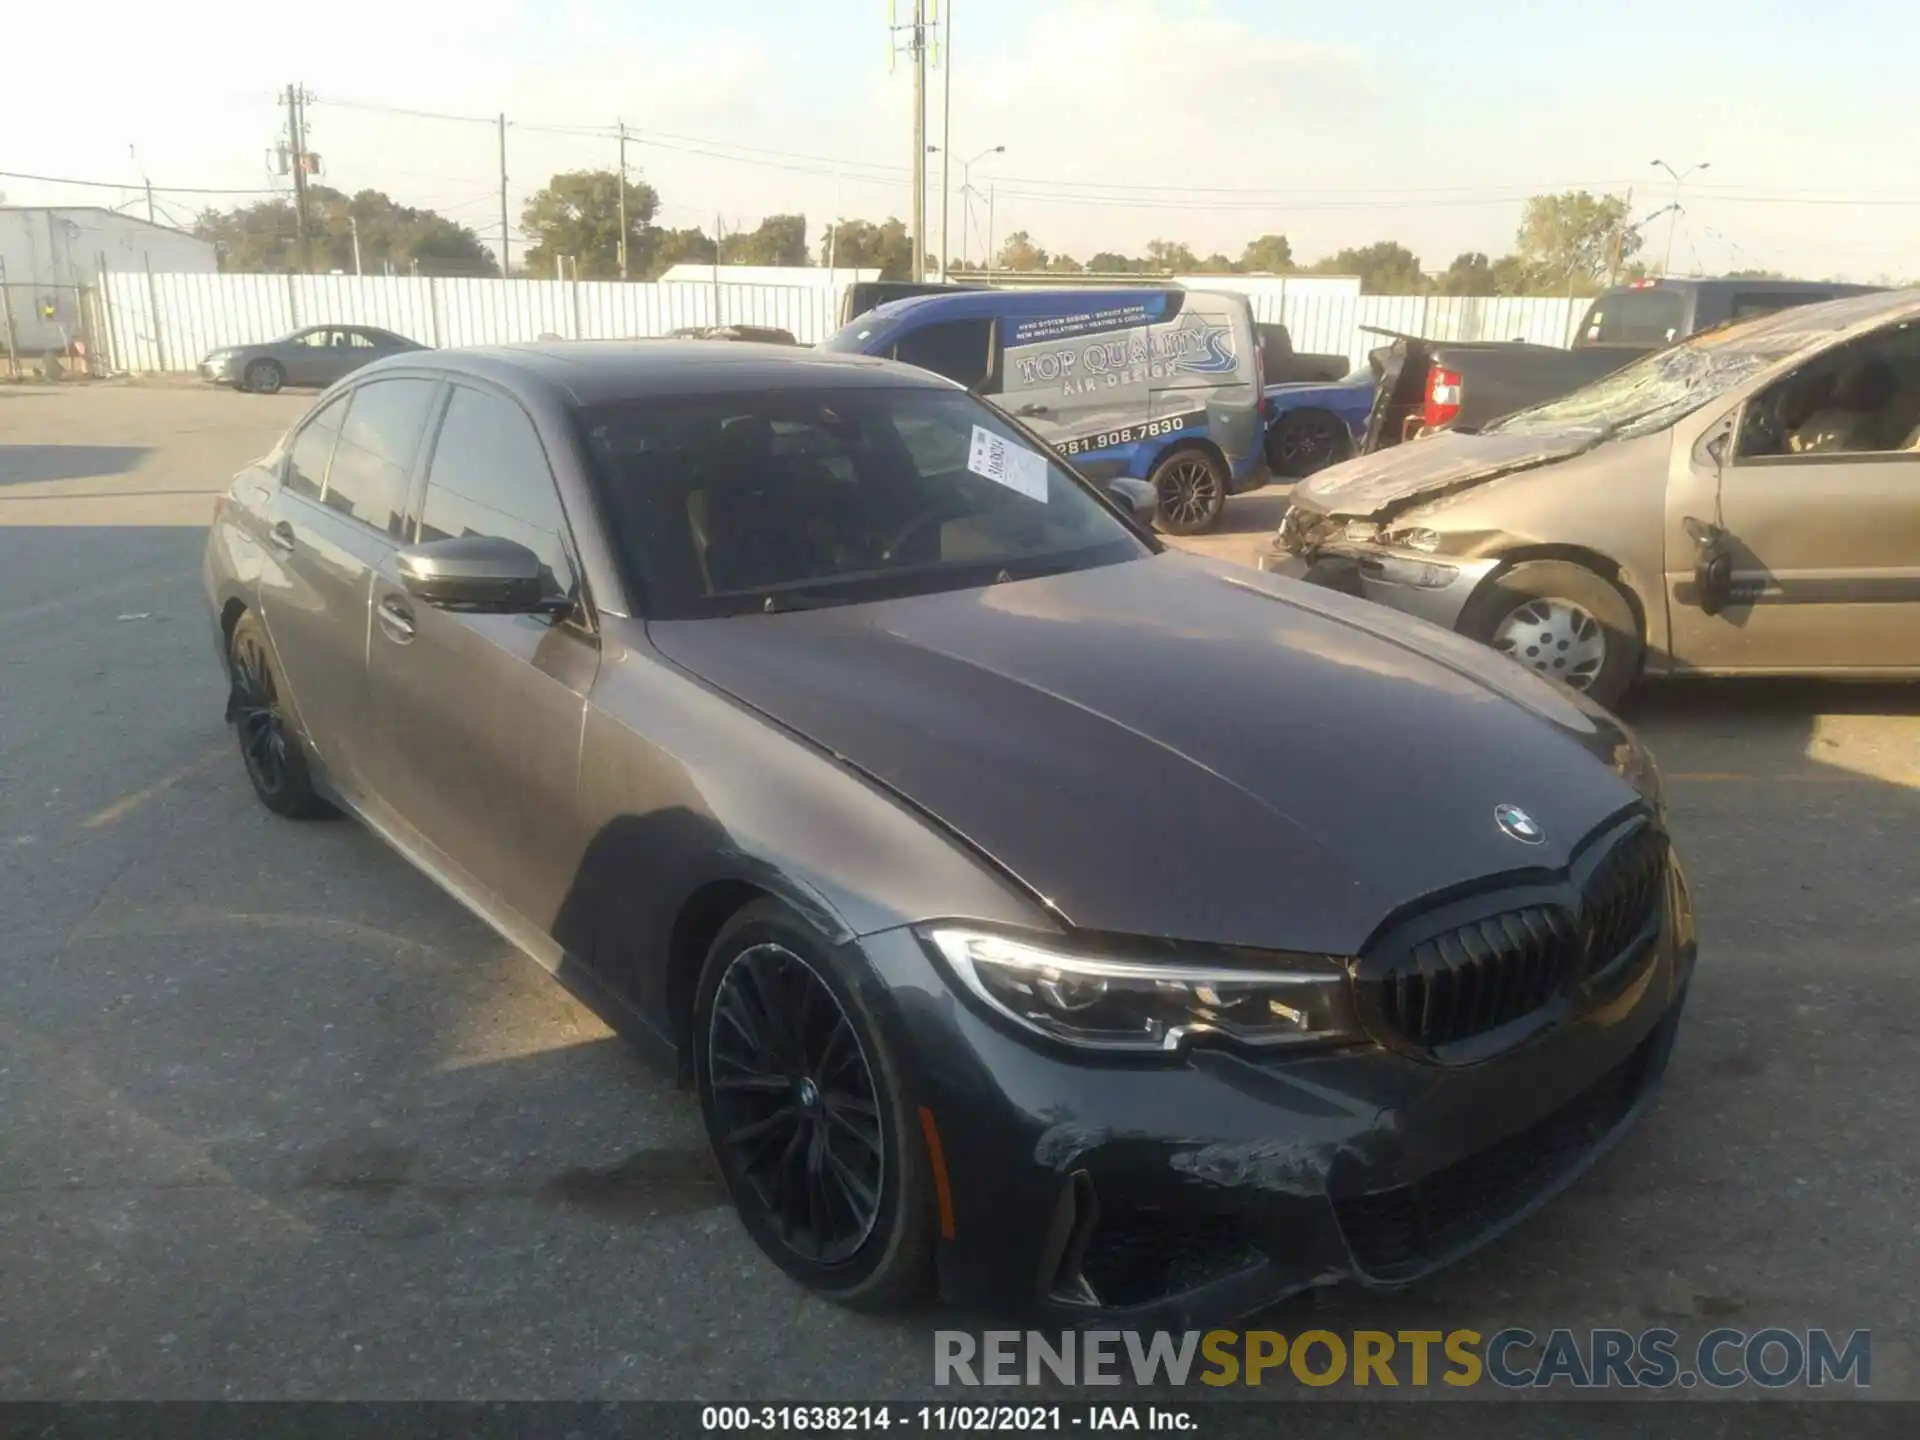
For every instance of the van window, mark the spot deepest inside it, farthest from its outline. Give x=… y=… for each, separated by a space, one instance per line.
x=958 y=349
x=1747 y=306
x=1635 y=317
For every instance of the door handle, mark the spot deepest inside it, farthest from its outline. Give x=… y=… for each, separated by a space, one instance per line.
x=1032 y=410
x=280 y=536
x=396 y=620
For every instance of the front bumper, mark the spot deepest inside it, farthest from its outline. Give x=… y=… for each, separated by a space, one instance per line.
x=1432 y=587
x=222 y=372
x=1204 y=1189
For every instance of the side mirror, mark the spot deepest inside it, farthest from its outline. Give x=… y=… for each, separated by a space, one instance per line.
x=1136 y=497
x=482 y=574
x=1712 y=566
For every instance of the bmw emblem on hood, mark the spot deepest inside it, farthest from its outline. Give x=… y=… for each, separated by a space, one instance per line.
x=1516 y=824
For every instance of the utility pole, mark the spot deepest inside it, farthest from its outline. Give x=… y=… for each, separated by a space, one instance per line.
x=946 y=143
x=150 y=219
x=989 y=229
x=915 y=44
x=623 y=199
x=1618 y=257
x=353 y=224
x=506 y=243
x=297 y=139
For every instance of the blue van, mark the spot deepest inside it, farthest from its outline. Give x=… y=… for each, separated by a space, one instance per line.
x=1158 y=384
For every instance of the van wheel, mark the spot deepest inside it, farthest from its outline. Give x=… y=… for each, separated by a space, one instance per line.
x=1192 y=487
x=1562 y=621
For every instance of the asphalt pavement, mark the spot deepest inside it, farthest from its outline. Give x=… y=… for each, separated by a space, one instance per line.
x=279 y=1120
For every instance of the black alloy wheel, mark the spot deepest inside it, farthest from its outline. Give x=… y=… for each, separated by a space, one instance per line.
x=1192 y=488
x=276 y=765
x=1306 y=442
x=795 y=1105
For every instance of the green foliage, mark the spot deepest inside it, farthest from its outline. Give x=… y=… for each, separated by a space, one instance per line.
x=1020 y=253
x=860 y=244
x=1385 y=267
x=1171 y=256
x=1269 y=255
x=1573 y=241
x=576 y=214
x=779 y=240
x=265 y=236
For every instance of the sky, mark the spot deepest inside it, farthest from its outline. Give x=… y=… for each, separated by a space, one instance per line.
x=1123 y=121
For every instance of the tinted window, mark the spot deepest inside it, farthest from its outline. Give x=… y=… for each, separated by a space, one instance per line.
x=375 y=455
x=359 y=340
x=1635 y=317
x=957 y=349
x=489 y=476
x=313 y=448
x=742 y=503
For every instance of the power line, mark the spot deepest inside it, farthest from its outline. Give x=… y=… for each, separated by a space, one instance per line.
x=133 y=185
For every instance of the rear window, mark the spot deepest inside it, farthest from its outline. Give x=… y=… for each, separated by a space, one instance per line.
x=1635 y=317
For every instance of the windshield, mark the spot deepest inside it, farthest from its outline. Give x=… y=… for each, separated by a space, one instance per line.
x=858 y=335
x=1648 y=395
x=725 y=504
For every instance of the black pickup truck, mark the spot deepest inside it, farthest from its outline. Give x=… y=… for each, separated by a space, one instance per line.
x=1465 y=385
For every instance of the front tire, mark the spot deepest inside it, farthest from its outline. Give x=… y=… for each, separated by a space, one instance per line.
x=1192 y=489
x=263 y=377
x=1562 y=621
x=275 y=761
x=807 y=1115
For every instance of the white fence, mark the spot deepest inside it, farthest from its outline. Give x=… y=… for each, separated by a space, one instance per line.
x=167 y=322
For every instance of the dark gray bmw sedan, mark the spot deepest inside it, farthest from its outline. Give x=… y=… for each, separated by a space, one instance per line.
x=1042 y=916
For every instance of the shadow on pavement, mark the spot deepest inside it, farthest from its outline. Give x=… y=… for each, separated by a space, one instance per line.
x=35 y=464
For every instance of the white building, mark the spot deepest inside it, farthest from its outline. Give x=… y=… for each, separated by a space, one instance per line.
x=49 y=253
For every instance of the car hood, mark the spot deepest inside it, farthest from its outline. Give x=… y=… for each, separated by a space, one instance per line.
x=1176 y=747
x=1388 y=478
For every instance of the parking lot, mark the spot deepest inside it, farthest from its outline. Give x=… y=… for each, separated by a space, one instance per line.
x=280 y=1120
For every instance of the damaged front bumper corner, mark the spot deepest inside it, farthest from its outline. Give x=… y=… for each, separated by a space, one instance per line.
x=1433 y=587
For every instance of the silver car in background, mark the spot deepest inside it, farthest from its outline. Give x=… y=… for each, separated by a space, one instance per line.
x=1747 y=502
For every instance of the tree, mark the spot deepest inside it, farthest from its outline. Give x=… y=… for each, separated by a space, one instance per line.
x=577 y=214
x=1217 y=264
x=1755 y=275
x=1020 y=253
x=1471 y=273
x=1574 y=240
x=1111 y=262
x=668 y=248
x=861 y=245
x=779 y=240
x=266 y=236
x=1512 y=276
x=1385 y=267
x=1269 y=255
x=1065 y=265
x=1172 y=256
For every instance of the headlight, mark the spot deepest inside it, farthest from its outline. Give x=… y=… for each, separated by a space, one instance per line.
x=1635 y=764
x=1415 y=537
x=1360 y=531
x=1098 y=1003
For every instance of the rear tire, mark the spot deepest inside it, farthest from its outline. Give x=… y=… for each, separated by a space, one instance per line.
x=808 y=1118
x=1192 y=488
x=1563 y=621
x=1307 y=442
x=263 y=377
x=275 y=761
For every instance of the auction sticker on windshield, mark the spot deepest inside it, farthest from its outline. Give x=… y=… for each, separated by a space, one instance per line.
x=1008 y=465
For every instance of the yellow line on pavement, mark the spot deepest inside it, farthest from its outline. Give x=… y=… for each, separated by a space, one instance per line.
x=126 y=804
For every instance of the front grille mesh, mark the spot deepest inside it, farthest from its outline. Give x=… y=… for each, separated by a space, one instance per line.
x=1476 y=977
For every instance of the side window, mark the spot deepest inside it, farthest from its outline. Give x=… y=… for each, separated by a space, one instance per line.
x=959 y=349
x=1863 y=398
x=313 y=449
x=375 y=455
x=489 y=476
x=1635 y=317
x=359 y=340
x=1745 y=307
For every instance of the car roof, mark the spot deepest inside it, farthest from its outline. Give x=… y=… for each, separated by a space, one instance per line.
x=595 y=372
x=966 y=304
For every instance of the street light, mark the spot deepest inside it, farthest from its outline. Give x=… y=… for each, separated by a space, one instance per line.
x=1673 y=212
